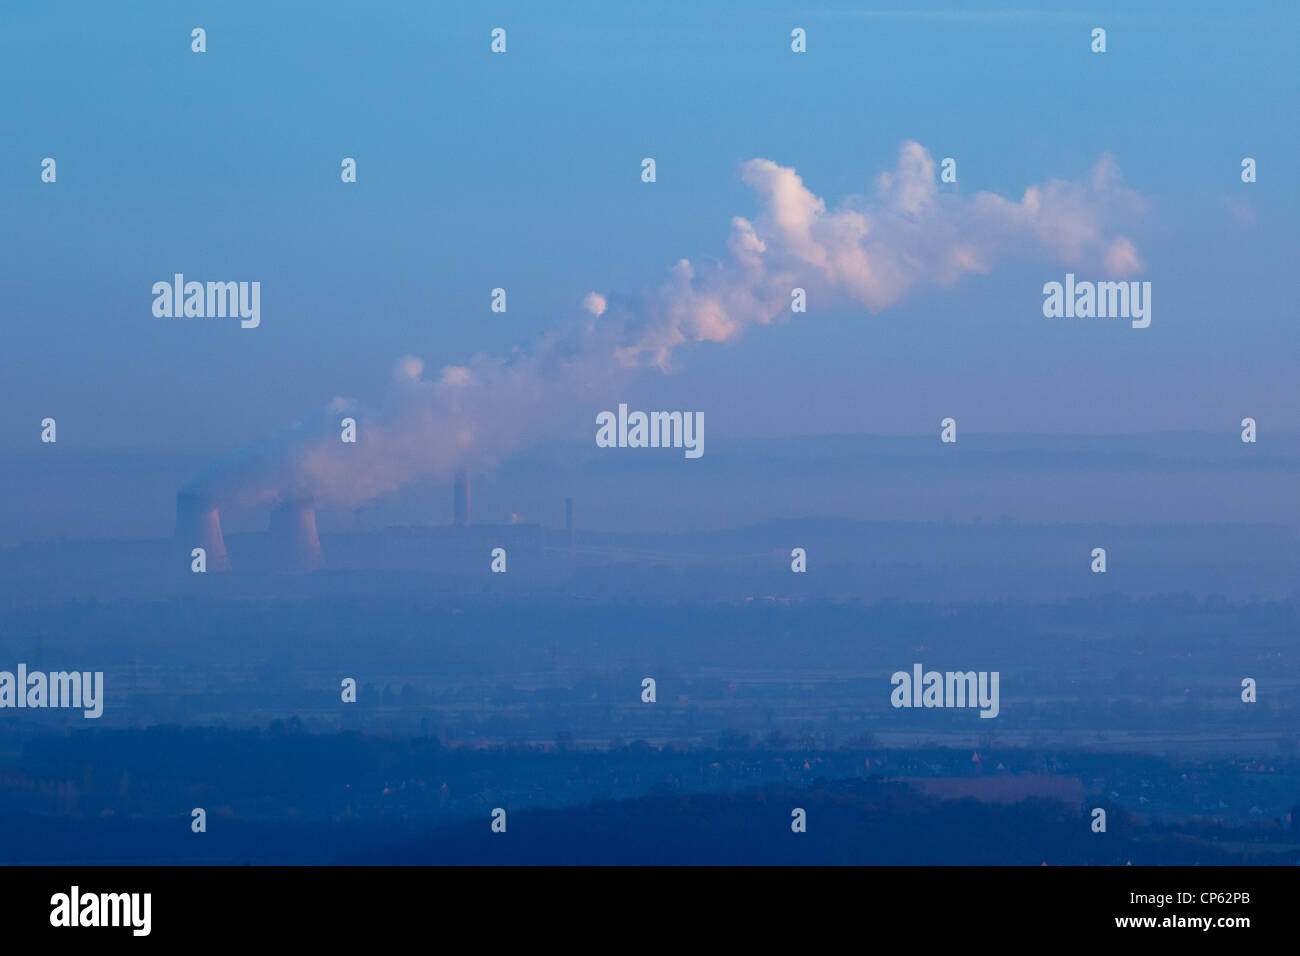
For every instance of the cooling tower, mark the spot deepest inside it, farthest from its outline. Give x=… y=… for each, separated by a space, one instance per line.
x=199 y=526
x=295 y=545
x=460 y=498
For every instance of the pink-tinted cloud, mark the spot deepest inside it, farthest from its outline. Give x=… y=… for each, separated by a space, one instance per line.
x=870 y=252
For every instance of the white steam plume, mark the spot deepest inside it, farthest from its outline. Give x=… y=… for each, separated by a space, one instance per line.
x=869 y=251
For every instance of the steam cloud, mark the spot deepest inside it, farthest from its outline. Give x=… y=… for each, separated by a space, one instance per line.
x=870 y=251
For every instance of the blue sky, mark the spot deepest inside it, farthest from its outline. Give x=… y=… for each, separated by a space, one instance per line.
x=522 y=171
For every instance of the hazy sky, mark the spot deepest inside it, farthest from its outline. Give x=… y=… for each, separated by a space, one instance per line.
x=523 y=171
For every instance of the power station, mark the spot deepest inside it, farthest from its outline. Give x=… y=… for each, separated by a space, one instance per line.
x=292 y=542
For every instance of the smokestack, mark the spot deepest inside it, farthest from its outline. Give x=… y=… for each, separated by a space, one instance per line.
x=294 y=542
x=568 y=519
x=199 y=526
x=460 y=498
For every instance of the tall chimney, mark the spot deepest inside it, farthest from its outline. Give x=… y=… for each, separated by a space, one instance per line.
x=460 y=497
x=294 y=541
x=199 y=526
x=568 y=520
